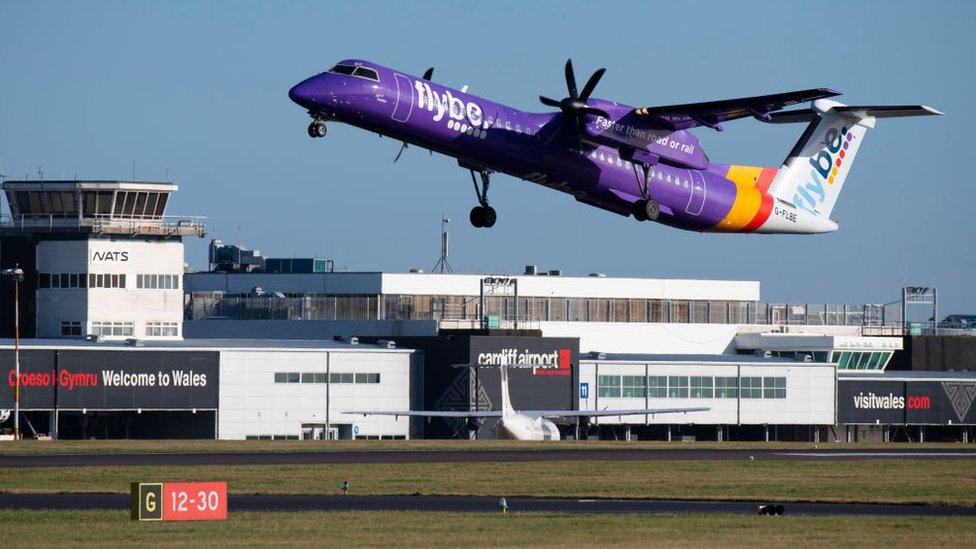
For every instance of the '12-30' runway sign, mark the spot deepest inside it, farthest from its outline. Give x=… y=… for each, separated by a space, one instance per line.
x=162 y=501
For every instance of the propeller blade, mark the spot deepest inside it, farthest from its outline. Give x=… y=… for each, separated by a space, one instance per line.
x=571 y=79
x=428 y=73
x=591 y=83
x=594 y=111
x=550 y=102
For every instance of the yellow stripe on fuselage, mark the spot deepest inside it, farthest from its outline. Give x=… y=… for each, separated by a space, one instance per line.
x=747 y=198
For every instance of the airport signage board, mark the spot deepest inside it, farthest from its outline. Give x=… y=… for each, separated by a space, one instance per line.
x=543 y=371
x=112 y=380
x=949 y=402
x=178 y=501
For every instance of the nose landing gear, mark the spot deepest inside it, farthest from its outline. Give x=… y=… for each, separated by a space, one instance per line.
x=316 y=129
x=483 y=216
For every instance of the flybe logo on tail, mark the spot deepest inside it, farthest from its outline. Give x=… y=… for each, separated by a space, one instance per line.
x=825 y=166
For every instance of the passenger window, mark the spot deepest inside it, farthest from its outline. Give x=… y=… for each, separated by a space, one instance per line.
x=342 y=69
x=366 y=73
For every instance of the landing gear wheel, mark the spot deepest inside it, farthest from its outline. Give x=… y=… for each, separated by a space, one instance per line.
x=475 y=217
x=483 y=217
x=647 y=210
x=488 y=217
x=316 y=129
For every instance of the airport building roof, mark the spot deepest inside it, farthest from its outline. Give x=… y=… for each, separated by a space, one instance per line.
x=382 y=283
x=200 y=345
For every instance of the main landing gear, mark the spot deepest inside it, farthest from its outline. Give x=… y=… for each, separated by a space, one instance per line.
x=316 y=129
x=645 y=209
x=482 y=216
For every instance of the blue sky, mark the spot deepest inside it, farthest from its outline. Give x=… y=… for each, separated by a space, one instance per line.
x=200 y=91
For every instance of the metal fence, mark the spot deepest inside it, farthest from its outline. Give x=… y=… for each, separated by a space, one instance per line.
x=464 y=311
x=159 y=225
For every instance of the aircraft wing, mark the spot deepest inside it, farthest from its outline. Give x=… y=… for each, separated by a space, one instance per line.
x=712 y=113
x=605 y=413
x=460 y=414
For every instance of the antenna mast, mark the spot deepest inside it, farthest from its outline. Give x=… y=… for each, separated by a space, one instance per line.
x=442 y=266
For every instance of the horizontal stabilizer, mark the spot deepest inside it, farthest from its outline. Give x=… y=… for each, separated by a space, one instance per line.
x=863 y=111
x=888 y=111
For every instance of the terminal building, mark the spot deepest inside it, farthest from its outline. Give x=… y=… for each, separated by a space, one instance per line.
x=286 y=347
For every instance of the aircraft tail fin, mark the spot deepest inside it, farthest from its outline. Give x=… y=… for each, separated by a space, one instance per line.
x=507 y=409
x=813 y=174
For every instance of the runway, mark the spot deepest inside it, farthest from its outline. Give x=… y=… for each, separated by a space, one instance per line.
x=478 y=504
x=462 y=456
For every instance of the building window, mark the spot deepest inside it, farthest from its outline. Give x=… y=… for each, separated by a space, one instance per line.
x=726 y=387
x=633 y=387
x=608 y=386
x=336 y=377
x=70 y=328
x=678 y=386
x=657 y=386
x=752 y=387
x=162 y=329
x=158 y=282
x=286 y=377
x=774 y=387
x=701 y=387
x=367 y=378
x=113 y=328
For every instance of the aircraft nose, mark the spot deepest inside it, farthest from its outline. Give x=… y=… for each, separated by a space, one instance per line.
x=303 y=93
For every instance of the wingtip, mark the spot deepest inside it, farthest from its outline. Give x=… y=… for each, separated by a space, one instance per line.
x=934 y=112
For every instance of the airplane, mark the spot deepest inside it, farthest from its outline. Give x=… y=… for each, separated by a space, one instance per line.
x=641 y=162
x=522 y=424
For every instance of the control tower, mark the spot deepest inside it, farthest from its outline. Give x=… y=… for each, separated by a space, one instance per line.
x=99 y=258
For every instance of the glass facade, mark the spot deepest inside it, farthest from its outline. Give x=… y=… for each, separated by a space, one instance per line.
x=845 y=360
x=612 y=386
x=322 y=377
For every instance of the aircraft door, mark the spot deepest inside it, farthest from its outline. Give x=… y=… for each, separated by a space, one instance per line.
x=404 y=100
x=696 y=200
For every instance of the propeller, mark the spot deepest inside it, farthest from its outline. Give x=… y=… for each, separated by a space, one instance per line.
x=575 y=106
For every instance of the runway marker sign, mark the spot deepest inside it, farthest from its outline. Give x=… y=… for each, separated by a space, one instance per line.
x=174 y=501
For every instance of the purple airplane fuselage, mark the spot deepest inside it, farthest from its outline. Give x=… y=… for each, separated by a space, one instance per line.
x=588 y=160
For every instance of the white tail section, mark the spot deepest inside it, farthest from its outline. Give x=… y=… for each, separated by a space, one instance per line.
x=813 y=174
x=507 y=409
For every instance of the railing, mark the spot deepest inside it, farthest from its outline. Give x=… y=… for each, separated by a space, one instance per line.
x=463 y=311
x=162 y=225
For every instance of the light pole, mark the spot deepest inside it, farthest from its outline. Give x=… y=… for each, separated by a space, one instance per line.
x=18 y=275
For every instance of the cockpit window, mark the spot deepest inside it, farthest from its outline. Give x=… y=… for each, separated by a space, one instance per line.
x=342 y=69
x=366 y=73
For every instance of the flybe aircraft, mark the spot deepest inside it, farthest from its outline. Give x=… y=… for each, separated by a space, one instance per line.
x=641 y=162
x=524 y=424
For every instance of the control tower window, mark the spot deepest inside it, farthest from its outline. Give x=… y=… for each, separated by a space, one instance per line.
x=96 y=203
x=366 y=73
x=342 y=69
x=140 y=205
x=150 y=204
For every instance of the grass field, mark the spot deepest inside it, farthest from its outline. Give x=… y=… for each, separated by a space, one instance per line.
x=189 y=446
x=357 y=529
x=933 y=482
